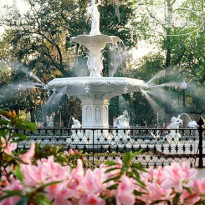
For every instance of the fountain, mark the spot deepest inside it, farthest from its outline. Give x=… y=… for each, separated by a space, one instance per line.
x=95 y=91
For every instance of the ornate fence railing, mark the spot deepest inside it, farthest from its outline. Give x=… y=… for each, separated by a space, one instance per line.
x=159 y=147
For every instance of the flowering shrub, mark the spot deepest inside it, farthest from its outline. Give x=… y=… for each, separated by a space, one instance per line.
x=59 y=178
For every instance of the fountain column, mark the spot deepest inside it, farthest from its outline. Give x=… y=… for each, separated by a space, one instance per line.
x=95 y=113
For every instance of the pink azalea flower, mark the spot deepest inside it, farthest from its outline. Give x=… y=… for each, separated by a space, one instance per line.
x=14 y=199
x=155 y=192
x=124 y=192
x=190 y=172
x=60 y=193
x=76 y=176
x=174 y=177
x=200 y=185
x=52 y=171
x=7 y=146
x=28 y=156
x=149 y=176
x=91 y=199
x=189 y=198
x=71 y=152
x=100 y=174
x=91 y=183
x=31 y=174
x=45 y=171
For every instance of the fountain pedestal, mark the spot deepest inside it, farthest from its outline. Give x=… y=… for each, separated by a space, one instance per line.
x=95 y=113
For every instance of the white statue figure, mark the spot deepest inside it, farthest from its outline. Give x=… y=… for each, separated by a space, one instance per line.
x=192 y=124
x=175 y=123
x=95 y=63
x=76 y=124
x=122 y=122
x=50 y=122
x=77 y=138
x=93 y=9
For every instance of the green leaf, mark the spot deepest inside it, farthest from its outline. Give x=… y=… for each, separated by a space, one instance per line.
x=111 y=169
x=139 y=167
x=18 y=173
x=4 y=132
x=114 y=186
x=188 y=189
x=111 y=163
x=4 y=122
x=135 y=154
x=127 y=159
x=22 y=124
x=10 y=193
x=23 y=201
x=41 y=199
x=112 y=179
x=138 y=193
x=136 y=173
x=176 y=198
x=19 y=137
x=48 y=184
x=61 y=159
x=159 y=201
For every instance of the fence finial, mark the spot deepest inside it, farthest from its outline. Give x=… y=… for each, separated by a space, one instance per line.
x=200 y=121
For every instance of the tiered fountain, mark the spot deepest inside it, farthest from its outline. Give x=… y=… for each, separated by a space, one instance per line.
x=95 y=91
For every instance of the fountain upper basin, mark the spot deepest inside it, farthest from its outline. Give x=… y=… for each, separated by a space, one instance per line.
x=106 y=86
x=99 y=41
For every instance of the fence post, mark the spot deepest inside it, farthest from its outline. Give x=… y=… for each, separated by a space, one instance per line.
x=93 y=131
x=200 y=122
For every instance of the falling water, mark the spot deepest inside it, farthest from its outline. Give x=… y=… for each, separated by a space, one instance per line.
x=151 y=101
x=80 y=67
x=160 y=94
x=161 y=74
x=169 y=84
x=54 y=99
x=186 y=115
x=157 y=76
x=21 y=68
x=16 y=87
x=118 y=56
x=122 y=104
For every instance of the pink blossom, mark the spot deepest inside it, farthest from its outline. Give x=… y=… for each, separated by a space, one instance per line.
x=76 y=175
x=52 y=171
x=200 y=185
x=155 y=192
x=189 y=198
x=7 y=146
x=149 y=175
x=124 y=192
x=91 y=199
x=91 y=183
x=190 y=172
x=71 y=152
x=31 y=174
x=28 y=156
x=174 y=177
x=46 y=171
x=60 y=193
x=14 y=199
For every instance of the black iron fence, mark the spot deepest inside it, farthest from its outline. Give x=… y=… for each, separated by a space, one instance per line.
x=159 y=147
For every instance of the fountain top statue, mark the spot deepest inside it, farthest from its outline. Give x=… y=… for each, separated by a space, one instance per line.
x=95 y=42
x=95 y=14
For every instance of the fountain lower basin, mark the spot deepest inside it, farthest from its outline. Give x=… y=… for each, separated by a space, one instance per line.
x=95 y=94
